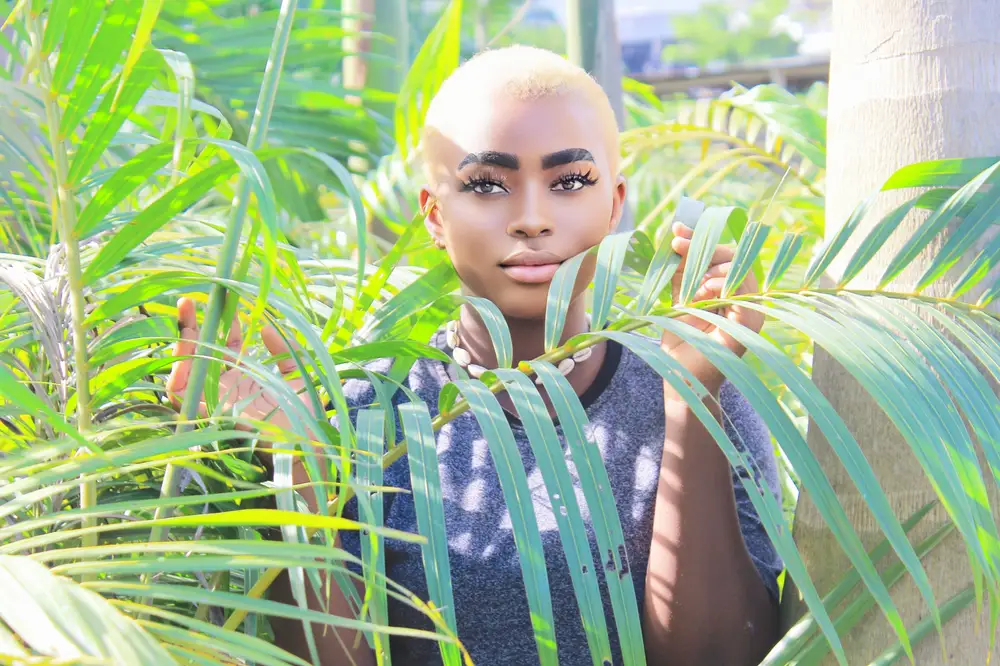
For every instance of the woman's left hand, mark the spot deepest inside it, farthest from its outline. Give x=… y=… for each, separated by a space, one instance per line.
x=711 y=287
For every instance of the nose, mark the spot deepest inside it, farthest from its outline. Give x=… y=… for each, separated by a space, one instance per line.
x=532 y=221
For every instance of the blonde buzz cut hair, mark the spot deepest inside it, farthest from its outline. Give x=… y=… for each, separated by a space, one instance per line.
x=524 y=73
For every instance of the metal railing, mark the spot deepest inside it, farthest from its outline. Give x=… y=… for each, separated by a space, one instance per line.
x=794 y=73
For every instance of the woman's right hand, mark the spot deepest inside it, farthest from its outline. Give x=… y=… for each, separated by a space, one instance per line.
x=235 y=384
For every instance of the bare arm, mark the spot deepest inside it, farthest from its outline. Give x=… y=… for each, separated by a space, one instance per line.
x=705 y=603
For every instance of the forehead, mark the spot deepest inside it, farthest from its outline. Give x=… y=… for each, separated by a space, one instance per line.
x=526 y=127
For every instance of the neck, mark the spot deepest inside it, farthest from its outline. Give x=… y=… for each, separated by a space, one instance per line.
x=527 y=335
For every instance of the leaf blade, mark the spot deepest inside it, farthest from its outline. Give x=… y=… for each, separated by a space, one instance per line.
x=426 y=484
x=514 y=484
x=610 y=257
x=544 y=442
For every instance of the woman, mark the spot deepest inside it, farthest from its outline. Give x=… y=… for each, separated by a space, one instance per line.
x=521 y=153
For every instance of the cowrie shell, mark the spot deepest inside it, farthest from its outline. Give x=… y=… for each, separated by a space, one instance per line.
x=462 y=357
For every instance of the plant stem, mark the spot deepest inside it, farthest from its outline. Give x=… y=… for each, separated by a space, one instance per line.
x=64 y=208
x=227 y=258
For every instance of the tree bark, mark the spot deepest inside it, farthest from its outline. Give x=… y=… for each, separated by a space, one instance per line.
x=387 y=73
x=909 y=81
x=357 y=20
x=592 y=43
x=357 y=23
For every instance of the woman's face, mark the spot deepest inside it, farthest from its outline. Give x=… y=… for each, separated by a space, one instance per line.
x=517 y=187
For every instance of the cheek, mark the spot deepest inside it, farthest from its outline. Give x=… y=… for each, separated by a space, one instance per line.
x=468 y=218
x=590 y=215
x=470 y=229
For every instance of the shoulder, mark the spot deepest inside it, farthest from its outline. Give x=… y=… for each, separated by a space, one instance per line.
x=360 y=387
x=417 y=375
x=402 y=379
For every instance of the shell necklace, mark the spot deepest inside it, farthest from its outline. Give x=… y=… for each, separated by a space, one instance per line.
x=464 y=359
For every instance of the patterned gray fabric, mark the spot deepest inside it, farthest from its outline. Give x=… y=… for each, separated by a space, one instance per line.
x=627 y=423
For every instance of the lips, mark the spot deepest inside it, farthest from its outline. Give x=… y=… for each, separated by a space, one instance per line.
x=531 y=266
x=531 y=274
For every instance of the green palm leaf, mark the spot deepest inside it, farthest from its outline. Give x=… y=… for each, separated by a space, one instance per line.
x=610 y=257
x=437 y=58
x=560 y=297
x=426 y=485
x=604 y=516
x=496 y=325
x=514 y=484
x=548 y=451
x=763 y=501
x=369 y=475
x=56 y=618
x=89 y=494
x=937 y=222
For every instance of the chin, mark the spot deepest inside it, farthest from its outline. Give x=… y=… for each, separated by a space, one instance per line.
x=523 y=303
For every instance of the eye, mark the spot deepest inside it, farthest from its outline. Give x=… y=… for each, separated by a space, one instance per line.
x=572 y=182
x=484 y=185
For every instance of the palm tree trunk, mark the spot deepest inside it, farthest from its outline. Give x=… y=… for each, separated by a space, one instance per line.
x=388 y=18
x=592 y=43
x=357 y=23
x=909 y=81
x=581 y=32
x=357 y=20
x=387 y=74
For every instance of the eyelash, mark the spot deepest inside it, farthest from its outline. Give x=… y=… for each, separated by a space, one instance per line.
x=568 y=179
x=472 y=183
x=585 y=179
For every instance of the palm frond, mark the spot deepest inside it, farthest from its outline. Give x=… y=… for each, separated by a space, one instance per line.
x=167 y=169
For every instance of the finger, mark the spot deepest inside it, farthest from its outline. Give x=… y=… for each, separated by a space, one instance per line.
x=277 y=346
x=722 y=252
x=187 y=314
x=234 y=341
x=179 y=372
x=683 y=230
x=680 y=245
x=719 y=270
x=711 y=288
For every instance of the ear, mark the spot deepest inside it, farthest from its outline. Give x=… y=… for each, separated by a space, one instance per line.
x=432 y=215
x=621 y=189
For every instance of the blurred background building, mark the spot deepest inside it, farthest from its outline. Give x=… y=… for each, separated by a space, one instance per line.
x=673 y=43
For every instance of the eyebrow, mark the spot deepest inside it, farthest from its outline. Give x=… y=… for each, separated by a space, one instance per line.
x=504 y=160
x=510 y=161
x=567 y=156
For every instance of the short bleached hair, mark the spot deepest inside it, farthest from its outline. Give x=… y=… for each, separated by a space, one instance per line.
x=525 y=73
